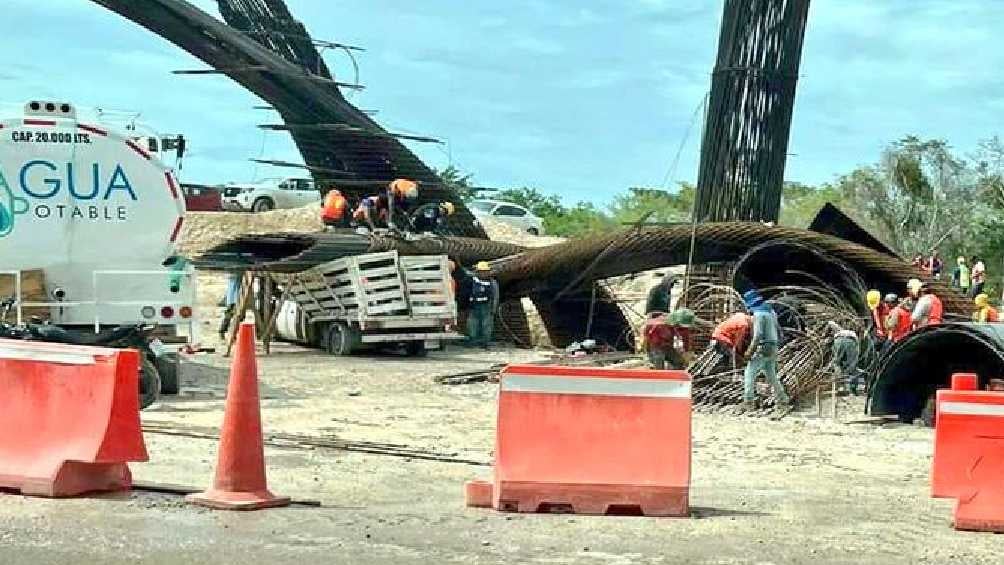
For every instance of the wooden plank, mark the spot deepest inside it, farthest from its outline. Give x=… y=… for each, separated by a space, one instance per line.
x=373 y=257
x=418 y=288
x=431 y=309
x=379 y=272
x=393 y=307
x=395 y=294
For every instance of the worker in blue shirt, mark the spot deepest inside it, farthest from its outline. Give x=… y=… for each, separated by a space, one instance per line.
x=762 y=352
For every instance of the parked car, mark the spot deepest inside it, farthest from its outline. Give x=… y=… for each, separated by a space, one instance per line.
x=270 y=194
x=507 y=212
x=202 y=198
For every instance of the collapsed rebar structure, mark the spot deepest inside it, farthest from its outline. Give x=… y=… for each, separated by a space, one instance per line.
x=266 y=50
x=749 y=112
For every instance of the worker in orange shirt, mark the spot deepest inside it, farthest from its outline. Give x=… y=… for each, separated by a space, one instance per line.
x=985 y=313
x=334 y=210
x=899 y=323
x=401 y=194
x=729 y=337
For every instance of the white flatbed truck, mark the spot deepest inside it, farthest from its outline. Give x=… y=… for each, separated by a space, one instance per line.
x=369 y=301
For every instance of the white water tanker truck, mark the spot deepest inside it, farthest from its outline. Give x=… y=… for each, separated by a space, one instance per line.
x=89 y=219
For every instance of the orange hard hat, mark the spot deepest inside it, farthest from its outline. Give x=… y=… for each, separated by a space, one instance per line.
x=404 y=188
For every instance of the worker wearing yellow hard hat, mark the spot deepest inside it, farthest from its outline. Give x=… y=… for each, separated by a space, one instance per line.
x=985 y=313
x=483 y=301
x=879 y=311
x=432 y=217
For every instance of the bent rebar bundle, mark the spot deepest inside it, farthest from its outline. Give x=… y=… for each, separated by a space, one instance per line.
x=270 y=53
x=923 y=362
x=749 y=111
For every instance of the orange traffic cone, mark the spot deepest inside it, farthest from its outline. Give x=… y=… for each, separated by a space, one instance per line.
x=240 y=467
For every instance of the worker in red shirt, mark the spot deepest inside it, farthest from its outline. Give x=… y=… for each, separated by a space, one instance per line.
x=899 y=323
x=928 y=311
x=661 y=333
x=880 y=311
x=729 y=337
x=334 y=210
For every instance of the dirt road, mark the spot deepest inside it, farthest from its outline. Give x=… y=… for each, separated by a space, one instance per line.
x=799 y=490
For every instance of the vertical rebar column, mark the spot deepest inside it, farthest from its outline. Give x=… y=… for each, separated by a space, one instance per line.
x=749 y=112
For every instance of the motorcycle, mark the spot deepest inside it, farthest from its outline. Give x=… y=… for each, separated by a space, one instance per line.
x=136 y=336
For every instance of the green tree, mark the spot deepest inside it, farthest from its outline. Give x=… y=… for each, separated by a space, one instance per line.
x=459 y=182
x=543 y=205
x=654 y=205
x=579 y=220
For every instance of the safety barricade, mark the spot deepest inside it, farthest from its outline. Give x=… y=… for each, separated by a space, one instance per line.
x=590 y=441
x=69 y=418
x=968 y=460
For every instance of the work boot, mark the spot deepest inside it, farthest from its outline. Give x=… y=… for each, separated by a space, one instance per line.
x=747 y=406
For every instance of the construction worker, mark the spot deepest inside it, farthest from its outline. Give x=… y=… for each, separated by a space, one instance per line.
x=844 y=358
x=234 y=281
x=401 y=193
x=880 y=311
x=960 y=276
x=659 y=296
x=661 y=333
x=371 y=210
x=762 y=352
x=899 y=322
x=729 y=337
x=484 y=300
x=334 y=210
x=985 y=313
x=431 y=217
x=978 y=276
x=928 y=310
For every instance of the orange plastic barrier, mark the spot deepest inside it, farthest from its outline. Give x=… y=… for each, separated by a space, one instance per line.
x=969 y=454
x=590 y=441
x=69 y=418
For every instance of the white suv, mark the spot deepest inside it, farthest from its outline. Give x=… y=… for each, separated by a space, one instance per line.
x=507 y=212
x=270 y=194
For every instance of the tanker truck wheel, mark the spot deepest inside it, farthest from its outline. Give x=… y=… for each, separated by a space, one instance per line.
x=167 y=368
x=263 y=205
x=149 y=383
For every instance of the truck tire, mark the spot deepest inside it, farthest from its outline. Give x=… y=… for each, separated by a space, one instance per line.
x=149 y=383
x=340 y=339
x=416 y=349
x=263 y=204
x=167 y=366
x=533 y=231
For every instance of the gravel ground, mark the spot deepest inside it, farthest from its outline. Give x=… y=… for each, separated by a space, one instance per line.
x=799 y=490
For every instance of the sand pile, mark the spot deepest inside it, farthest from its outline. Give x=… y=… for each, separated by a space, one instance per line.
x=500 y=231
x=203 y=230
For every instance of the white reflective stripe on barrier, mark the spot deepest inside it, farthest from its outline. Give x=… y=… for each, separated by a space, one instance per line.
x=971 y=409
x=63 y=358
x=557 y=384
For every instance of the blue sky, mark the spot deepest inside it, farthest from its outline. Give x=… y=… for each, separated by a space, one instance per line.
x=578 y=98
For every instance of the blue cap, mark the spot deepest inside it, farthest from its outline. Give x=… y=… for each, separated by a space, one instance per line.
x=752 y=298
